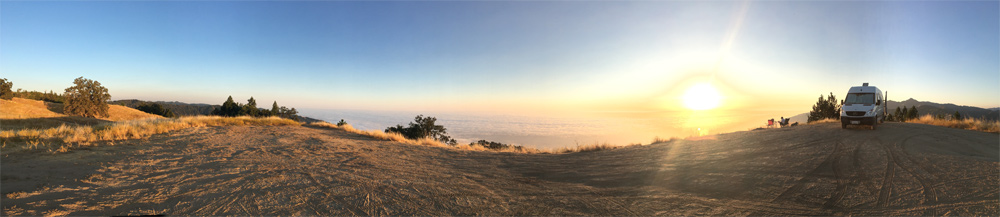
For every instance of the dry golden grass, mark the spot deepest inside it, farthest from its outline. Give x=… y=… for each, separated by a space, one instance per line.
x=19 y=113
x=132 y=129
x=968 y=123
x=19 y=108
x=434 y=143
x=596 y=147
x=827 y=120
x=122 y=113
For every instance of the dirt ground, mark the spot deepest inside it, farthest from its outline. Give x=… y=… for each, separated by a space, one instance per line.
x=899 y=169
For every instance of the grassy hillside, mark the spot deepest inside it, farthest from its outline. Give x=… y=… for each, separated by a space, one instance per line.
x=19 y=113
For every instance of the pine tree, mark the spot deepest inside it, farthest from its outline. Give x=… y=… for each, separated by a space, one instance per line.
x=825 y=109
x=275 y=109
x=229 y=108
x=957 y=116
x=912 y=113
x=250 y=108
x=898 y=115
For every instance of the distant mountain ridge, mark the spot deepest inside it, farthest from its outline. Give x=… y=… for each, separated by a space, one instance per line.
x=933 y=108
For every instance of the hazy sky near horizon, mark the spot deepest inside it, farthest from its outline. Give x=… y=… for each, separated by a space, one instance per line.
x=506 y=56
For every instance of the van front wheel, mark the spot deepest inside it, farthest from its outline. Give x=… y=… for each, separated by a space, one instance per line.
x=843 y=126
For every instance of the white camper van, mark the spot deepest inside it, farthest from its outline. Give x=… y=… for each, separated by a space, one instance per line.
x=864 y=105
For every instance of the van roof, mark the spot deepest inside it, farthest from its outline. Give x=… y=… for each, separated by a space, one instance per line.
x=863 y=89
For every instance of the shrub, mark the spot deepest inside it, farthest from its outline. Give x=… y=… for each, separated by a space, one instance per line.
x=424 y=127
x=87 y=98
x=496 y=145
x=341 y=123
x=5 y=92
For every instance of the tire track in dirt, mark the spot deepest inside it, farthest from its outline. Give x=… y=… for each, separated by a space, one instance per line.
x=931 y=197
x=612 y=201
x=838 y=176
x=811 y=175
x=930 y=194
x=859 y=172
x=246 y=171
x=887 y=179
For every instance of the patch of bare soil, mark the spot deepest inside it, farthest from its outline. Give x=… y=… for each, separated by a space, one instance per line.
x=899 y=169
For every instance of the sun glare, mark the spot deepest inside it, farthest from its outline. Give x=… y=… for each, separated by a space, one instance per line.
x=701 y=96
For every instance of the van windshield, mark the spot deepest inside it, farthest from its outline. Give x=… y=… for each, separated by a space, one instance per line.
x=860 y=98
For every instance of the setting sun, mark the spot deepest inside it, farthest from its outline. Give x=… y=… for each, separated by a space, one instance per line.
x=701 y=96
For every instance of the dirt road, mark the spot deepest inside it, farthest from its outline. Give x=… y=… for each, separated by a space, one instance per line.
x=900 y=169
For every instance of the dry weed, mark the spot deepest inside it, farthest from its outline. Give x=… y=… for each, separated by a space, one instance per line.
x=968 y=123
x=825 y=120
x=131 y=129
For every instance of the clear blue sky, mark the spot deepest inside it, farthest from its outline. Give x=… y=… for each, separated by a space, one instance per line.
x=498 y=55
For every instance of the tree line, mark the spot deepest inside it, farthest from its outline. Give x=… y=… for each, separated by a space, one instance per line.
x=7 y=93
x=904 y=114
x=156 y=109
x=231 y=108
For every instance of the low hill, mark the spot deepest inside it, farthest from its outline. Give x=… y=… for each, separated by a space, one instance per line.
x=820 y=169
x=19 y=113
